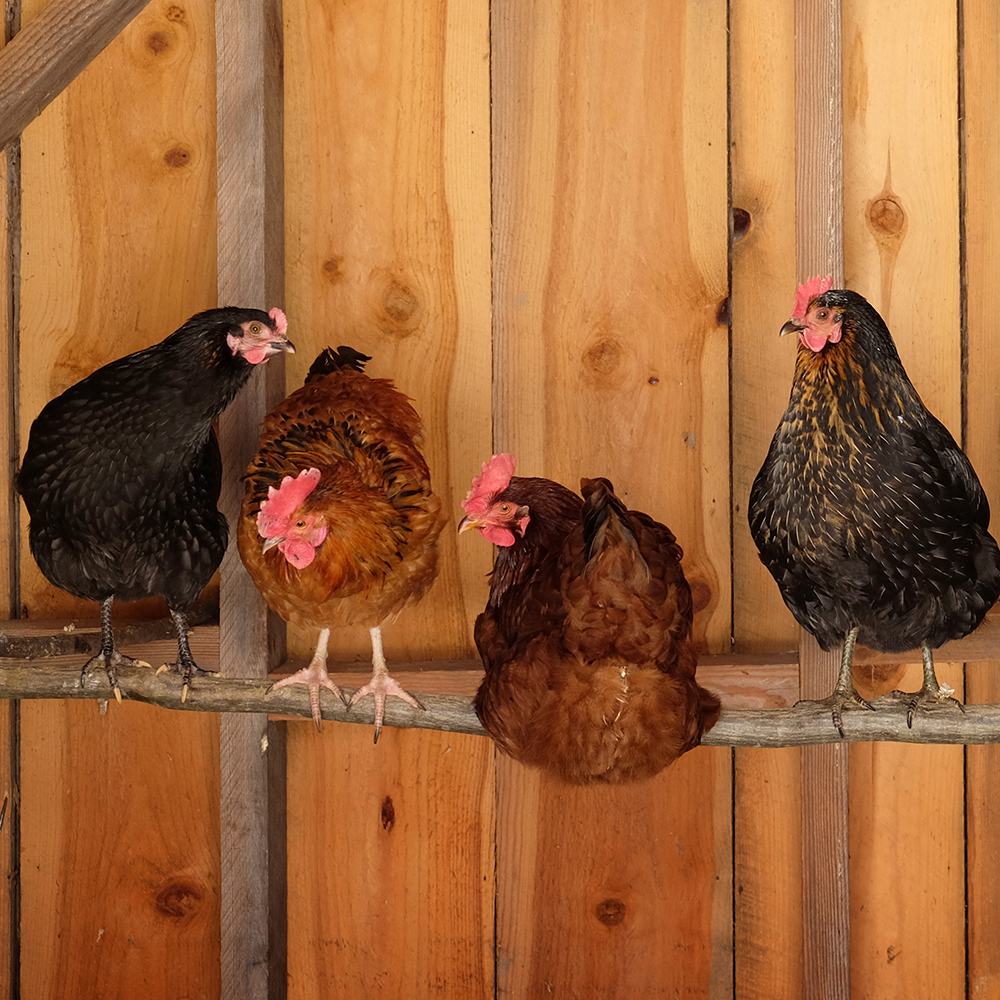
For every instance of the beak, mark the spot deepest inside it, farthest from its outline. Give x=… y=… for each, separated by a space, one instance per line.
x=282 y=345
x=468 y=522
x=269 y=543
x=791 y=327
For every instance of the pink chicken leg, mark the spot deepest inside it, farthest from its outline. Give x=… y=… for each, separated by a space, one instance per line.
x=382 y=685
x=314 y=676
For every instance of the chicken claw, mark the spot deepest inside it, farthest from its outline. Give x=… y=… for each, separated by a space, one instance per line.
x=844 y=691
x=111 y=661
x=930 y=693
x=382 y=685
x=314 y=676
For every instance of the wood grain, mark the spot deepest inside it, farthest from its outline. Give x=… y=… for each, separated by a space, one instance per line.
x=768 y=954
x=609 y=181
x=901 y=238
x=980 y=45
x=635 y=918
x=120 y=859
x=388 y=207
x=118 y=249
x=819 y=240
x=388 y=243
x=249 y=139
x=391 y=876
x=51 y=51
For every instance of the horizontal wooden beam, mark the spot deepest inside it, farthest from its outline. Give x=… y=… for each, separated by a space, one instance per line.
x=47 y=54
x=446 y=690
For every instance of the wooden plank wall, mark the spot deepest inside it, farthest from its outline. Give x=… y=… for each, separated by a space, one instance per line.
x=522 y=212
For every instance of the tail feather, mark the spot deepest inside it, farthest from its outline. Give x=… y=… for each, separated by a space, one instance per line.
x=341 y=359
x=606 y=528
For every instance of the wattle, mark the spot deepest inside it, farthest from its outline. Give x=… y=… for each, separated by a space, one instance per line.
x=498 y=536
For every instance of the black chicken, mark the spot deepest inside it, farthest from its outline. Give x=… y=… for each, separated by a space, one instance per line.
x=866 y=512
x=122 y=473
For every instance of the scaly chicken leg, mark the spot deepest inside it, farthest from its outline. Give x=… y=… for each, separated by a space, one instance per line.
x=109 y=657
x=844 y=691
x=381 y=685
x=315 y=677
x=930 y=693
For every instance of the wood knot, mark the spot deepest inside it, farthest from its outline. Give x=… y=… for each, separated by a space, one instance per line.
x=701 y=595
x=741 y=223
x=176 y=157
x=157 y=42
x=603 y=357
x=333 y=270
x=388 y=814
x=179 y=899
x=400 y=302
x=886 y=217
x=610 y=912
x=175 y=13
x=397 y=303
x=606 y=359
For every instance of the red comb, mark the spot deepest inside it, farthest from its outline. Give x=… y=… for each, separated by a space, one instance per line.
x=280 y=321
x=495 y=479
x=283 y=502
x=808 y=291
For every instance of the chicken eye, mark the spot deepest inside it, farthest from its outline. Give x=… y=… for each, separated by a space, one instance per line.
x=255 y=328
x=505 y=508
x=300 y=524
x=822 y=314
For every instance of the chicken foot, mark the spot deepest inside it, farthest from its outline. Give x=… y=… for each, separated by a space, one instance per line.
x=930 y=693
x=314 y=676
x=109 y=657
x=382 y=685
x=185 y=664
x=844 y=691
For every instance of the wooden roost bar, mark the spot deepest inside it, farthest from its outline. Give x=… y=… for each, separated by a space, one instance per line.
x=570 y=231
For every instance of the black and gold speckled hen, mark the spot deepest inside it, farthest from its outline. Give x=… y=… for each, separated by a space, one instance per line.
x=586 y=637
x=122 y=473
x=866 y=512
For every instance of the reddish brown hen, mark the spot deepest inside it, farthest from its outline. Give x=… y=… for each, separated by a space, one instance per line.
x=586 y=637
x=339 y=524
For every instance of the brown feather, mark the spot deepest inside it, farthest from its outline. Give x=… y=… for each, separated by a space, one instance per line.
x=586 y=640
x=374 y=494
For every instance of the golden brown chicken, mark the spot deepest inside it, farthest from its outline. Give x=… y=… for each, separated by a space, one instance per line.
x=339 y=524
x=586 y=637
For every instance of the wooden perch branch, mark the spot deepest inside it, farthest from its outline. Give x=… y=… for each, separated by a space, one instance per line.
x=51 y=51
x=757 y=691
x=801 y=725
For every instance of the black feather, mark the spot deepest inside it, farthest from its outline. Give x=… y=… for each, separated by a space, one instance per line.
x=865 y=511
x=341 y=359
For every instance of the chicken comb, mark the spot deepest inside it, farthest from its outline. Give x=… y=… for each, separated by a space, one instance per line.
x=280 y=321
x=283 y=502
x=808 y=291
x=497 y=473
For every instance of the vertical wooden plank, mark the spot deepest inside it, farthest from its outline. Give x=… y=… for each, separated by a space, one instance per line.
x=391 y=883
x=388 y=207
x=251 y=273
x=389 y=250
x=609 y=181
x=901 y=238
x=980 y=48
x=118 y=249
x=607 y=891
x=119 y=853
x=768 y=955
x=819 y=185
x=10 y=232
